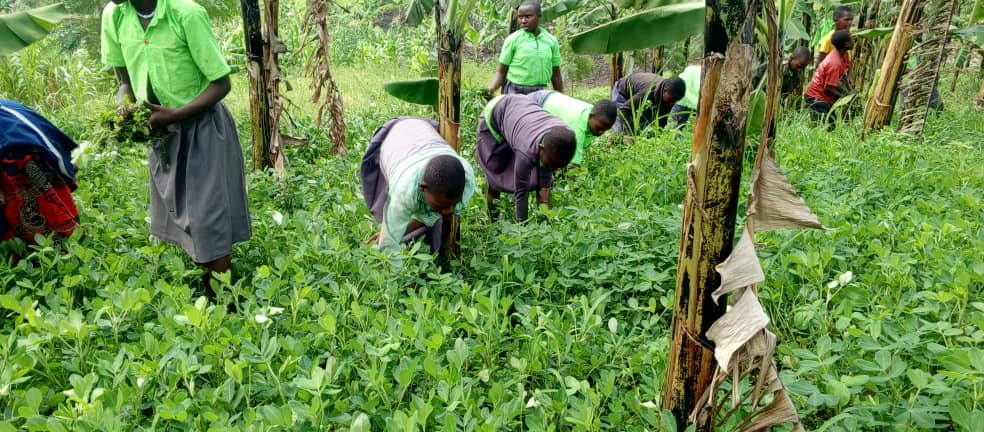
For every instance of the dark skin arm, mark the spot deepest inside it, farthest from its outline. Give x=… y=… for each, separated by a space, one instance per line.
x=543 y=197
x=161 y=116
x=833 y=91
x=557 y=79
x=125 y=92
x=498 y=80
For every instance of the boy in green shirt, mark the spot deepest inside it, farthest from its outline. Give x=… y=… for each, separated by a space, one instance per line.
x=686 y=106
x=530 y=57
x=588 y=121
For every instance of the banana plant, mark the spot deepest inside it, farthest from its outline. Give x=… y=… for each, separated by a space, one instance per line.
x=20 y=29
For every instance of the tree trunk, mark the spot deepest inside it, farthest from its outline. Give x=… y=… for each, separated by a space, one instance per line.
x=657 y=59
x=618 y=69
x=449 y=110
x=257 y=83
x=711 y=206
x=879 y=111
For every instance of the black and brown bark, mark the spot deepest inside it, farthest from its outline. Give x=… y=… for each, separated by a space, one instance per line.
x=449 y=109
x=711 y=205
x=865 y=50
x=258 y=106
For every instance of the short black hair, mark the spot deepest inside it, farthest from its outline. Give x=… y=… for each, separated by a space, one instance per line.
x=676 y=87
x=840 y=39
x=803 y=53
x=445 y=176
x=560 y=144
x=534 y=4
x=842 y=11
x=605 y=109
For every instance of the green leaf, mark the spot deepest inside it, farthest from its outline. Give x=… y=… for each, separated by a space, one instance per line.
x=561 y=8
x=421 y=92
x=967 y=420
x=21 y=29
x=676 y=22
x=418 y=11
x=646 y=4
x=972 y=34
x=361 y=423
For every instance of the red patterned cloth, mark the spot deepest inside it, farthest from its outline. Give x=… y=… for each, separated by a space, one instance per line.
x=35 y=198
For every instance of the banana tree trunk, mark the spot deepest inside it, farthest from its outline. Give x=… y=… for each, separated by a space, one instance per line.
x=258 y=106
x=449 y=110
x=618 y=69
x=879 y=110
x=711 y=205
x=657 y=59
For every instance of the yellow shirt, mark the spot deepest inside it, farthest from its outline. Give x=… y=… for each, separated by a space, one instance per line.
x=827 y=47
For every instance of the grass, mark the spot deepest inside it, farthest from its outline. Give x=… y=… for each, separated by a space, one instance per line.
x=551 y=325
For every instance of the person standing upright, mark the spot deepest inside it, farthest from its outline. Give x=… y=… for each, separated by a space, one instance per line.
x=166 y=57
x=530 y=57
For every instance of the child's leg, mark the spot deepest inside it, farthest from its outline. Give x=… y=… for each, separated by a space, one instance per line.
x=219 y=265
x=491 y=195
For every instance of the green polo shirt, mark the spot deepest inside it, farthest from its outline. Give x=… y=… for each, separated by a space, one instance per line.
x=530 y=58
x=177 y=54
x=575 y=113
x=691 y=78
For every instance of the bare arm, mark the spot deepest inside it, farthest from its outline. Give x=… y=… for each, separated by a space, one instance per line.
x=833 y=91
x=161 y=116
x=497 y=80
x=544 y=197
x=522 y=205
x=557 y=79
x=125 y=90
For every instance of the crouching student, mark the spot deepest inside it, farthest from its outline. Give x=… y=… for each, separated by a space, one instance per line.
x=687 y=105
x=411 y=178
x=519 y=147
x=586 y=120
x=643 y=98
x=36 y=176
x=825 y=87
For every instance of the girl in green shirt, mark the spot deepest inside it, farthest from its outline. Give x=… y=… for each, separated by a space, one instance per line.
x=166 y=57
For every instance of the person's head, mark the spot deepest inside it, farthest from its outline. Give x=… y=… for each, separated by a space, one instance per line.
x=842 y=40
x=557 y=148
x=843 y=17
x=800 y=58
x=528 y=15
x=673 y=90
x=443 y=184
x=602 y=117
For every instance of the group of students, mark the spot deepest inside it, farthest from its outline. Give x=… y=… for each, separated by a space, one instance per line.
x=523 y=136
x=165 y=56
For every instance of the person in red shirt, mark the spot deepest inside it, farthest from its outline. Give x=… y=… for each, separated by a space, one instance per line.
x=825 y=87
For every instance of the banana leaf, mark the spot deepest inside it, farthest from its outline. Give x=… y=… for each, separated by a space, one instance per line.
x=874 y=33
x=973 y=34
x=421 y=92
x=20 y=29
x=561 y=8
x=646 y=4
x=418 y=11
x=978 y=14
x=675 y=23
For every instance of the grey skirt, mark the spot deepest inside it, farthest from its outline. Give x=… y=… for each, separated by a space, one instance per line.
x=197 y=186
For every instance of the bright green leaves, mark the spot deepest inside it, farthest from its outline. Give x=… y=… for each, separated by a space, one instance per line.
x=421 y=92
x=675 y=22
x=20 y=29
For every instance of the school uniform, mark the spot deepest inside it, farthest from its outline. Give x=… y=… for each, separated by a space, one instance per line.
x=197 y=185
x=687 y=105
x=509 y=135
x=573 y=112
x=391 y=172
x=639 y=95
x=530 y=59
